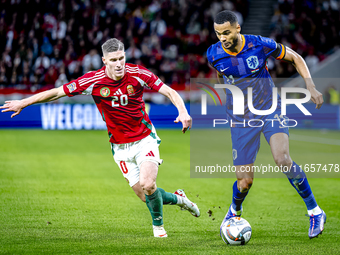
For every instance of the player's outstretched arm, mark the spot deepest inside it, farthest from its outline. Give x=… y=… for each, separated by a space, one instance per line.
x=16 y=106
x=176 y=99
x=301 y=66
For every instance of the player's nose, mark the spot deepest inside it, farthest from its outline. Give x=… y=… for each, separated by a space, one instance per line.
x=223 y=38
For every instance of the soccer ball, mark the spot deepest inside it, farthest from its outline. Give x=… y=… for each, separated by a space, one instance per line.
x=236 y=231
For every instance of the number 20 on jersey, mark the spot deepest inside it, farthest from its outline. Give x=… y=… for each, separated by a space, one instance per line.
x=119 y=100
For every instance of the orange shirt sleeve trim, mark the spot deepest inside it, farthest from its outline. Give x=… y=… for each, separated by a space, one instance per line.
x=283 y=52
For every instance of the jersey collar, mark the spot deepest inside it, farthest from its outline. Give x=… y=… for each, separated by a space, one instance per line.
x=115 y=81
x=233 y=53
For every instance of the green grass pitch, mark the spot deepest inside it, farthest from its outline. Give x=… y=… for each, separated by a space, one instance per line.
x=62 y=193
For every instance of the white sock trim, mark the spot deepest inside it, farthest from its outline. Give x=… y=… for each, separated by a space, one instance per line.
x=179 y=200
x=315 y=211
x=234 y=211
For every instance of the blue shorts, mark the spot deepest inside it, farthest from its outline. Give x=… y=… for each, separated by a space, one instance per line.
x=246 y=140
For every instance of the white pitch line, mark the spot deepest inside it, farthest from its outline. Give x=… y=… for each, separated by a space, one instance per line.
x=312 y=139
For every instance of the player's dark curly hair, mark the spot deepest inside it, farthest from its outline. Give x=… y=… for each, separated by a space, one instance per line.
x=225 y=16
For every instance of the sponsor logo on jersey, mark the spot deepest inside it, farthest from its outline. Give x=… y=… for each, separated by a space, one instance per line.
x=72 y=87
x=118 y=92
x=130 y=90
x=252 y=62
x=105 y=92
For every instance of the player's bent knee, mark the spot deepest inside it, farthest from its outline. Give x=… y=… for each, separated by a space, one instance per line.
x=245 y=184
x=283 y=160
x=148 y=185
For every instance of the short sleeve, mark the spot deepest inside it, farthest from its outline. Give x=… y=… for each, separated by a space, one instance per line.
x=72 y=88
x=269 y=45
x=151 y=80
x=84 y=84
x=280 y=51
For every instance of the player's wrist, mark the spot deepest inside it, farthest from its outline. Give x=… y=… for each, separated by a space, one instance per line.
x=309 y=83
x=181 y=112
x=311 y=87
x=25 y=102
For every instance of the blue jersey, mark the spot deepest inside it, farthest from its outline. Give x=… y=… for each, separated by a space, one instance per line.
x=247 y=68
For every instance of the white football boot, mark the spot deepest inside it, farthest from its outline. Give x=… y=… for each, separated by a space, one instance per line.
x=159 y=231
x=186 y=204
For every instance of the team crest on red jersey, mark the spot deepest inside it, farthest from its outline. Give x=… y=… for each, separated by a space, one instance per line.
x=105 y=92
x=130 y=90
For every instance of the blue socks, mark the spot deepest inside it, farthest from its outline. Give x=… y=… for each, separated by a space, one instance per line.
x=238 y=198
x=298 y=180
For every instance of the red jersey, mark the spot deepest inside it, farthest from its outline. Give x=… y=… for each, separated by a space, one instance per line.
x=119 y=102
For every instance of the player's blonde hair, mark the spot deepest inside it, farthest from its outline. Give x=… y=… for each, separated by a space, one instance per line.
x=112 y=45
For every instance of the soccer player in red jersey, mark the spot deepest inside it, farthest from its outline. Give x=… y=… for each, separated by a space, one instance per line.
x=117 y=89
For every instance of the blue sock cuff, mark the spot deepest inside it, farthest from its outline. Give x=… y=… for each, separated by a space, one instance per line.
x=238 y=197
x=236 y=193
x=298 y=179
x=310 y=202
x=295 y=172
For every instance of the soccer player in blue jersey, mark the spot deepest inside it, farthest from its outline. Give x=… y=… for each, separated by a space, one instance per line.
x=241 y=61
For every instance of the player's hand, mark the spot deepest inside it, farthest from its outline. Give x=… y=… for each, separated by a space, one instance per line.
x=186 y=121
x=15 y=106
x=316 y=97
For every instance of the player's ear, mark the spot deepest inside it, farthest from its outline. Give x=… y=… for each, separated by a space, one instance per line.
x=238 y=28
x=103 y=59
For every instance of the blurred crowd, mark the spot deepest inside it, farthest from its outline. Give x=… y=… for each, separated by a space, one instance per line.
x=311 y=28
x=50 y=42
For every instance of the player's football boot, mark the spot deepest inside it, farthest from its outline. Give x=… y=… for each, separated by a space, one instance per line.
x=159 y=231
x=186 y=204
x=316 y=224
x=229 y=215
